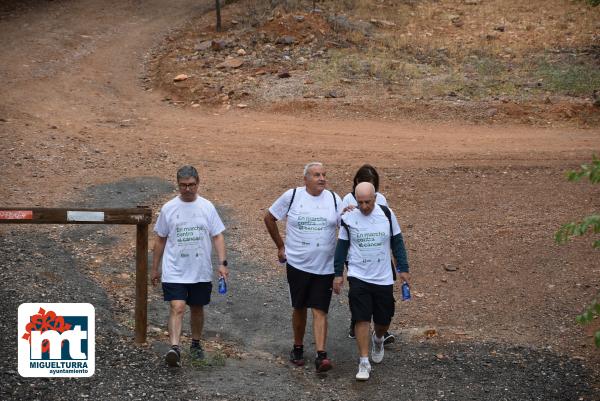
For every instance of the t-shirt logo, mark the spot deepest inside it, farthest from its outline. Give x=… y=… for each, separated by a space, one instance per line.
x=311 y=224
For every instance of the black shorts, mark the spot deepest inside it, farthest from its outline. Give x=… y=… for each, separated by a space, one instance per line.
x=191 y=293
x=371 y=301
x=308 y=290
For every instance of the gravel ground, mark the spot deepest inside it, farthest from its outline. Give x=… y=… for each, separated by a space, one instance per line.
x=250 y=325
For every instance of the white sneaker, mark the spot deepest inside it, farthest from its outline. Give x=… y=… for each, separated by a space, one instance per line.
x=377 y=350
x=364 y=369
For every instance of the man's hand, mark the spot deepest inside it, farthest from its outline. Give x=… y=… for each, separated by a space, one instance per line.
x=338 y=283
x=404 y=276
x=157 y=253
x=224 y=271
x=281 y=255
x=155 y=277
x=348 y=208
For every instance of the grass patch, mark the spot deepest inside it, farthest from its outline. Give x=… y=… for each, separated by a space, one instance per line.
x=370 y=65
x=211 y=360
x=568 y=78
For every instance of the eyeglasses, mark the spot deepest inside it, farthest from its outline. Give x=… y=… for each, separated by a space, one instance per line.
x=187 y=186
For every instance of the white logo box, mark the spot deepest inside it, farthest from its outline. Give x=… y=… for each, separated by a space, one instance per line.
x=76 y=358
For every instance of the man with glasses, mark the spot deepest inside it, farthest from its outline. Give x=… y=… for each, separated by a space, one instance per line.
x=313 y=216
x=187 y=228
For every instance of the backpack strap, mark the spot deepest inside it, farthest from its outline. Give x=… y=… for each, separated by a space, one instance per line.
x=347 y=228
x=388 y=214
x=291 y=201
x=334 y=200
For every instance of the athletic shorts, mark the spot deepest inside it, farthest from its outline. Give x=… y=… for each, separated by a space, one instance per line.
x=191 y=293
x=371 y=301
x=308 y=290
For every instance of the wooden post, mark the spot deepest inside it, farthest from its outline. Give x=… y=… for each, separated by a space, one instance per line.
x=140 y=216
x=141 y=283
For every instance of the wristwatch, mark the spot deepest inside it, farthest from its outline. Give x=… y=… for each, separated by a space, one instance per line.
x=224 y=263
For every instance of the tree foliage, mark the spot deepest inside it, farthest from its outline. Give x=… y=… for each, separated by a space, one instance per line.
x=589 y=224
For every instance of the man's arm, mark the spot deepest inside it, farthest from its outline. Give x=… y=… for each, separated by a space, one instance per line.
x=271 y=223
x=219 y=244
x=157 y=253
x=399 y=251
x=341 y=254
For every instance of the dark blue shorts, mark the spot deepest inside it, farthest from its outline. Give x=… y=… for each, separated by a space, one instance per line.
x=191 y=293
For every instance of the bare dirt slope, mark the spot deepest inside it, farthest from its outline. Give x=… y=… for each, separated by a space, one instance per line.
x=486 y=200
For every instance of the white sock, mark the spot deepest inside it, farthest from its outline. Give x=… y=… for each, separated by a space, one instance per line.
x=364 y=359
x=378 y=339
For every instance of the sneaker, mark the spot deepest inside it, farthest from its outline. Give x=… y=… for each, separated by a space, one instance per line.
x=196 y=353
x=351 y=331
x=173 y=358
x=297 y=356
x=388 y=338
x=364 y=370
x=377 y=350
x=322 y=364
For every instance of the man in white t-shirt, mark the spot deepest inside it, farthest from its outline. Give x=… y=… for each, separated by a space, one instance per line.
x=187 y=228
x=366 y=173
x=313 y=216
x=365 y=241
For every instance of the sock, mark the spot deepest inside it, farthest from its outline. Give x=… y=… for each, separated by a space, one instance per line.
x=378 y=339
x=195 y=343
x=364 y=359
x=321 y=354
x=300 y=347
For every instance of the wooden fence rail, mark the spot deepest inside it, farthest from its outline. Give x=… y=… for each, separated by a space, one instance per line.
x=140 y=216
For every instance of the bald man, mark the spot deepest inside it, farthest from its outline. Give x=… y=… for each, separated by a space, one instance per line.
x=365 y=242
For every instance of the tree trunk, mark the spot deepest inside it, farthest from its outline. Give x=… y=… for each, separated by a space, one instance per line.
x=218 y=7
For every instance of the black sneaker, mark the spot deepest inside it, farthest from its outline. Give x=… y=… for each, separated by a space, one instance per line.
x=297 y=356
x=322 y=363
x=388 y=338
x=173 y=357
x=196 y=353
x=351 y=331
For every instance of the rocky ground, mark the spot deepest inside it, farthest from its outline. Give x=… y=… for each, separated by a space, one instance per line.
x=494 y=298
x=347 y=63
x=247 y=338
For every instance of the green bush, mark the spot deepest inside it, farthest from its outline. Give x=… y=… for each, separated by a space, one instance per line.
x=587 y=224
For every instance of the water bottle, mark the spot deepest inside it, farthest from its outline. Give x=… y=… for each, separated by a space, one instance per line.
x=405 y=291
x=222 y=285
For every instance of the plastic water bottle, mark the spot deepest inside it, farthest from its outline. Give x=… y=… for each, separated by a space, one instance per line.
x=222 y=285
x=405 y=291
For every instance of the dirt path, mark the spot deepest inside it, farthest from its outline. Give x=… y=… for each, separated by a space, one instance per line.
x=483 y=198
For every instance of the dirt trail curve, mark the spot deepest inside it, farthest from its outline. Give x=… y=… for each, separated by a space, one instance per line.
x=74 y=115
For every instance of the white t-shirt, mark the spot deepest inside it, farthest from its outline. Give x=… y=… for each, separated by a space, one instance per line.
x=189 y=228
x=349 y=199
x=310 y=229
x=369 y=256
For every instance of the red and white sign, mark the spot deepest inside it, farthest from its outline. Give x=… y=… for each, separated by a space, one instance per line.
x=16 y=214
